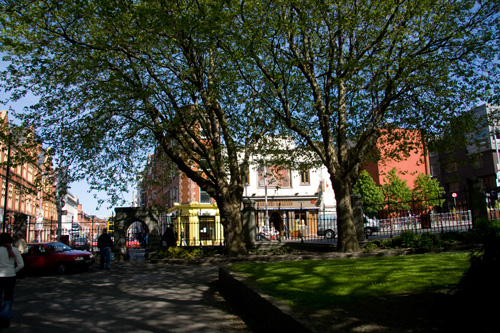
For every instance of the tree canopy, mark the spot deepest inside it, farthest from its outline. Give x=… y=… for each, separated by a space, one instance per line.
x=341 y=72
x=371 y=194
x=117 y=80
x=427 y=190
x=119 y=76
x=396 y=191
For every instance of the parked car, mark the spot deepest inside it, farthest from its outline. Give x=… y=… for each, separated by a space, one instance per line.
x=133 y=243
x=81 y=243
x=327 y=225
x=56 y=257
x=371 y=225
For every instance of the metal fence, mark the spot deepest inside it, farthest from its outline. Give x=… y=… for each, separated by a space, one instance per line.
x=426 y=222
x=198 y=230
x=382 y=221
x=47 y=232
x=296 y=226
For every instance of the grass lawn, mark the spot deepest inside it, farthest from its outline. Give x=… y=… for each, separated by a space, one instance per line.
x=385 y=290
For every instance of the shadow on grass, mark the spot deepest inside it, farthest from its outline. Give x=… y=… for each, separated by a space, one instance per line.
x=411 y=293
x=440 y=311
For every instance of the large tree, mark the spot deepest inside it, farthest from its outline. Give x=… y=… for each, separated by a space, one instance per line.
x=118 y=79
x=341 y=72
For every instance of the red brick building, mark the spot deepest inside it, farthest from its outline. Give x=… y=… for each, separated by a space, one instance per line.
x=27 y=192
x=408 y=164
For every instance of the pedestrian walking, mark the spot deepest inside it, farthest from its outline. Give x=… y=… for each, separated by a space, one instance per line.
x=11 y=262
x=20 y=243
x=105 y=245
x=169 y=237
x=286 y=232
x=183 y=240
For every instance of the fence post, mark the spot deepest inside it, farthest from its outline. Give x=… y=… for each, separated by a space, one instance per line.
x=248 y=221
x=478 y=200
x=357 y=214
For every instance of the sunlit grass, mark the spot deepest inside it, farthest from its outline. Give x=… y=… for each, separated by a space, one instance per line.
x=320 y=283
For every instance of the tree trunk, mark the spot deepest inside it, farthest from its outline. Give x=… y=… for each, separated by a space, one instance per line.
x=234 y=241
x=347 y=236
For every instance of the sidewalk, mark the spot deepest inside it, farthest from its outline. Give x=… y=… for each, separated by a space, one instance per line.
x=135 y=296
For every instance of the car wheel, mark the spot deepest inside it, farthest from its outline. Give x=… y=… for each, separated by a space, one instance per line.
x=368 y=231
x=62 y=268
x=329 y=234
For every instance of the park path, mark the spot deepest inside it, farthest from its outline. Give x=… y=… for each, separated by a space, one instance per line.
x=135 y=296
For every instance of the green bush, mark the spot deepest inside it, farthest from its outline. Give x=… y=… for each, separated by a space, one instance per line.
x=421 y=243
x=408 y=239
x=486 y=228
x=187 y=252
x=484 y=272
x=428 y=242
x=370 y=247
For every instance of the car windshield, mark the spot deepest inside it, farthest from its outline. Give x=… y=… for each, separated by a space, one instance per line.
x=59 y=247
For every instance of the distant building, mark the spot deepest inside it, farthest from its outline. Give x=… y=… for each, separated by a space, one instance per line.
x=29 y=196
x=90 y=226
x=455 y=167
x=289 y=199
x=408 y=166
x=69 y=218
x=294 y=197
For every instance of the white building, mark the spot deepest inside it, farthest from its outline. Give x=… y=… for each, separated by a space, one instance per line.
x=70 y=218
x=288 y=199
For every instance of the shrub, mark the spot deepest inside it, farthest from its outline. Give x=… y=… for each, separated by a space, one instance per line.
x=408 y=239
x=186 y=252
x=428 y=242
x=484 y=272
x=370 y=247
x=418 y=243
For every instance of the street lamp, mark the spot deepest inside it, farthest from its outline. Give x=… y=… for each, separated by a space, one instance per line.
x=7 y=175
x=496 y=149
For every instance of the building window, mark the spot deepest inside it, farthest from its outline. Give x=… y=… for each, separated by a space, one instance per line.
x=207 y=228
x=276 y=177
x=205 y=197
x=434 y=170
x=455 y=187
x=247 y=177
x=304 y=177
x=477 y=161
x=451 y=167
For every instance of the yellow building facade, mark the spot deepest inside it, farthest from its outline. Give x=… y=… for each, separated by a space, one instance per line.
x=197 y=224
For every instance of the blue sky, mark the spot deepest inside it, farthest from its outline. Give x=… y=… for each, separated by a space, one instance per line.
x=80 y=189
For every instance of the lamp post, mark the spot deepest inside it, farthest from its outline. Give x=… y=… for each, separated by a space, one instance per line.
x=496 y=149
x=92 y=235
x=7 y=175
x=266 y=218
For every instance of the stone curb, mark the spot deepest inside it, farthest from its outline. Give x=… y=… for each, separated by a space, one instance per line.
x=267 y=312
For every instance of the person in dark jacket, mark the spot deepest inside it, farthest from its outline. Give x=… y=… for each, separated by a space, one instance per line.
x=105 y=245
x=169 y=237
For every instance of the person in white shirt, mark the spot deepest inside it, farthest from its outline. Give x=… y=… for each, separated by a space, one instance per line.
x=20 y=243
x=11 y=262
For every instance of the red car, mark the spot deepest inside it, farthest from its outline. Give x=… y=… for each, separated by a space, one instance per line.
x=133 y=243
x=56 y=257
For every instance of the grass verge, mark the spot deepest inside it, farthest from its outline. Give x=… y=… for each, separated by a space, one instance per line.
x=393 y=294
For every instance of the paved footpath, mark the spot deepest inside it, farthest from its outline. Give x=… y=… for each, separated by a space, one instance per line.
x=135 y=296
